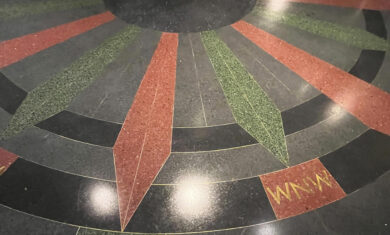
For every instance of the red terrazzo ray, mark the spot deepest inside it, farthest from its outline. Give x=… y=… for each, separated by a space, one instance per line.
x=301 y=188
x=14 y=50
x=6 y=160
x=144 y=143
x=368 y=103
x=361 y=4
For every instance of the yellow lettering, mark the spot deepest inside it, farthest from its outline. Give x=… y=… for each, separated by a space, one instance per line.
x=2 y=170
x=279 y=191
x=324 y=179
x=295 y=187
x=307 y=185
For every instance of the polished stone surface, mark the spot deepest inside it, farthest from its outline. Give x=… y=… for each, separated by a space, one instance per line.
x=210 y=117
x=180 y=15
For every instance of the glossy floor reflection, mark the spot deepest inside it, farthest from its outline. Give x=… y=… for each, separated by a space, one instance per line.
x=194 y=117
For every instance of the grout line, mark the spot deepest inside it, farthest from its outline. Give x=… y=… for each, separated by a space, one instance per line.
x=141 y=153
x=197 y=232
x=91 y=117
x=70 y=139
x=217 y=150
x=198 y=80
x=63 y=171
x=193 y=127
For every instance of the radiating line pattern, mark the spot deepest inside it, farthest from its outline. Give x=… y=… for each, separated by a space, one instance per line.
x=345 y=34
x=251 y=107
x=144 y=142
x=15 y=10
x=54 y=95
x=368 y=103
x=16 y=49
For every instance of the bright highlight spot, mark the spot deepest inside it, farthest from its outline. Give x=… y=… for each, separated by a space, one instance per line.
x=193 y=197
x=103 y=199
x=333 y=108
x=278 y=5
x=269 y=228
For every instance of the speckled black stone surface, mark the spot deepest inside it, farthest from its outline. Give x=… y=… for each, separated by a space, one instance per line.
x=180 y=15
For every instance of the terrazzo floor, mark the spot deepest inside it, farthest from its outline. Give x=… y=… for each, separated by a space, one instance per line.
x=209 y=117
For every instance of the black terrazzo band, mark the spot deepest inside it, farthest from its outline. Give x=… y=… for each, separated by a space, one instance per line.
x=210 y=138
x=82 y=128
x=52 y=194
x=359 y=162
x=64 y=197
x=11 y=96
x=375 y=23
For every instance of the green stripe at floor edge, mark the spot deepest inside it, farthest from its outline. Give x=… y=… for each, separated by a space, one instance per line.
x=346 y=34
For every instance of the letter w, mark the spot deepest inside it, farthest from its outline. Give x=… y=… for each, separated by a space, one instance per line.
x=279 y=191
x=324 y=179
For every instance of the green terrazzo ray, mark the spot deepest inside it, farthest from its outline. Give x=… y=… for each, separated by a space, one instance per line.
x=349 y=35
x=251 y=107
x=9 y=11
x=54 y=95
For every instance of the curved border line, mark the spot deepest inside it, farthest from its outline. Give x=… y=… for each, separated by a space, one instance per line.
x=61 y=197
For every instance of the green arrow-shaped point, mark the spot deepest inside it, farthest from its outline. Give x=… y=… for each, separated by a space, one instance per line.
x=251 y=107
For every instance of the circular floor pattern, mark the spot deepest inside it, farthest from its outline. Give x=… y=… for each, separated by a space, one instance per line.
x=56 y=159
x=180 y=15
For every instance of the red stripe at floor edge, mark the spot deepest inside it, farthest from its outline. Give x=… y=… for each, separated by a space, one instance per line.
x=16 y=49
x=366 y=102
